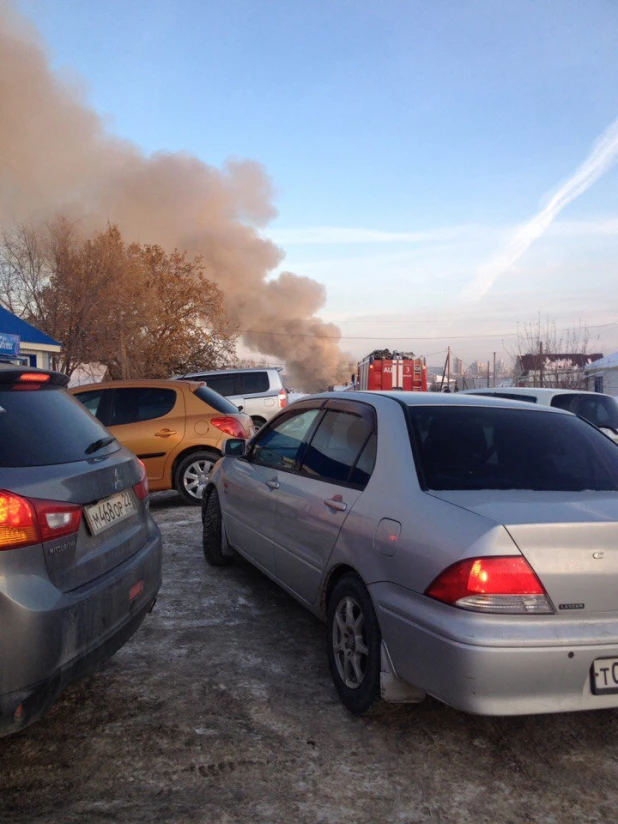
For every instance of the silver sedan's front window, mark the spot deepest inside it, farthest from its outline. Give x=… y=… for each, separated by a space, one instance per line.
x=278 y=445
x=460 y=447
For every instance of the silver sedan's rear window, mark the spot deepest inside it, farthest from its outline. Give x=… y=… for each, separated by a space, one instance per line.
x=459 y=447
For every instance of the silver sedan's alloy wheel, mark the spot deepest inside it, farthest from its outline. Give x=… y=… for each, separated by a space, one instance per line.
x=350 y=642
x=196 y=477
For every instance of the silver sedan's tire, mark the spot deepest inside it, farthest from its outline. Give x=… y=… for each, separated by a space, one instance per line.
x=213 y=534
x=353 y=644
x=192 y=474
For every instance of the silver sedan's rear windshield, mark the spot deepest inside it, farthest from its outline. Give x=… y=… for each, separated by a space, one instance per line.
x=463 y=447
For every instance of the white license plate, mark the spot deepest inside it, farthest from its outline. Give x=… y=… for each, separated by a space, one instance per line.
x=109 y=511
x=605 y=676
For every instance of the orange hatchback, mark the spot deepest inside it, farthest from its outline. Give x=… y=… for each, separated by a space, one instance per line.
x=175 y=427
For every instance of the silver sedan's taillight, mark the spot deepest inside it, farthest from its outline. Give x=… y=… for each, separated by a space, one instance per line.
x=502 y=584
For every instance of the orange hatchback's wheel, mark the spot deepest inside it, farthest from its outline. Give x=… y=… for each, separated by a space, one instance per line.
x=192 y=474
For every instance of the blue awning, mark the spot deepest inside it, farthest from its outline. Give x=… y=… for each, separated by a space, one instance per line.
x=10 y=324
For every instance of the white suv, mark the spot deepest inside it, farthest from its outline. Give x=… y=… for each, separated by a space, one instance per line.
x=601 y=410
x=260 y=392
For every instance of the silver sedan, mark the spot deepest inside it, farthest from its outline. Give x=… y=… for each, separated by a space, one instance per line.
x=462 y=547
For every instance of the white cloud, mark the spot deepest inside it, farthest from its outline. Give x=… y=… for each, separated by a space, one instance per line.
x=585 y=228
x=604 y=153
x=332 y=235
x=447 y=235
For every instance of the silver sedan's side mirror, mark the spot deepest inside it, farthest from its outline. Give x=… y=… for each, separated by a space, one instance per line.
x=234 y=448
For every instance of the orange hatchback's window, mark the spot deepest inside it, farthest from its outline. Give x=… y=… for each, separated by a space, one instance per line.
x=141 y=404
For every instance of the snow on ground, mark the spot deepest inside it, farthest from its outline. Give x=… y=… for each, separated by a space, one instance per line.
x=221 y=710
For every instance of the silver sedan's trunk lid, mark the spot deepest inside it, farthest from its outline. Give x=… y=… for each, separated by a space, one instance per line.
x=569 y=538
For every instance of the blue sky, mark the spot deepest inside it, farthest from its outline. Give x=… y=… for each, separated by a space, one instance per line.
x=406 y=139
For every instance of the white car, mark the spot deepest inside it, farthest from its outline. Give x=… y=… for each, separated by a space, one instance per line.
x=600 y=410
x=260 y=393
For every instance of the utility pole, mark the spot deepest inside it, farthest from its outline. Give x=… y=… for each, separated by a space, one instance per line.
x=541 y=363
x=123 y=354
x=494 y=369
x=488 y=369
x=448 y=368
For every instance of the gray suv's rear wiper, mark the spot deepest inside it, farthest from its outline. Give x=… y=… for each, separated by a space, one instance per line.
x=94 y=447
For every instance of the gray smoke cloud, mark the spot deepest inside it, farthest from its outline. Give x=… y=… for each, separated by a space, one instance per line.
x=56 y=155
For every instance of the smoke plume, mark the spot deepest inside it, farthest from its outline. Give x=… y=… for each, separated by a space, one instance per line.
x=57 y=156
x=603 y=155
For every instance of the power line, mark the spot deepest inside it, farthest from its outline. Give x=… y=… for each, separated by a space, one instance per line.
x=400 y=337
x=397 y=320
x=366 y=337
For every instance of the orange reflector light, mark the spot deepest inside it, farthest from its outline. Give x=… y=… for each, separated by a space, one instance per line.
x=18 y=526
x=141 y=487
x=136 y=590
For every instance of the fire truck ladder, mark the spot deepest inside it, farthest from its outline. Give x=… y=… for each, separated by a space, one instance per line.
x=417 y=377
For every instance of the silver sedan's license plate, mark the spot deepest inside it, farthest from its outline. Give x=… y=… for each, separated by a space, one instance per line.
x=605 y=676
x=109 y=511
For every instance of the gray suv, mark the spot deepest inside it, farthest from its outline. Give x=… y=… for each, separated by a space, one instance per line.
x=260 y=392
x=80 y=559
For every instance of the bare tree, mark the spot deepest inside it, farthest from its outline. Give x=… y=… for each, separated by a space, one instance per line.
x=24 y=269
x=171 y=316
x=548 y=357
x=136 y=309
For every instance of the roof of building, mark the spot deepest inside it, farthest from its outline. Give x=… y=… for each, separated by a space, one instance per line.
x=533 y=363
x=609 y=362
x=10 y=324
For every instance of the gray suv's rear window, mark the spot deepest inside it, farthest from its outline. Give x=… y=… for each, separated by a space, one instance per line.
x=46 y=426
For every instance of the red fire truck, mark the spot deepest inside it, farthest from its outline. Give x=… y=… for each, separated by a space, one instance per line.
x=383 y=369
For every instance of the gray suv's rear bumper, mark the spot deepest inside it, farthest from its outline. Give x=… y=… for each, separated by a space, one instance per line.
x=99 y=618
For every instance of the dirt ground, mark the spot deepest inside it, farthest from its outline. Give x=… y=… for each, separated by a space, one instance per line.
x=221 y=709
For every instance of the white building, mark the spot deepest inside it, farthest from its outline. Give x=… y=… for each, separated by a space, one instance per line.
x=602 y=375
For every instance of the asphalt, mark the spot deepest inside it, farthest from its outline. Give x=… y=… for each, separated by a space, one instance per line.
x=221 y=709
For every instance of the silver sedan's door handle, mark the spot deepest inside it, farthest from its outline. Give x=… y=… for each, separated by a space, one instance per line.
x=336 y=503
x=272 y=484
